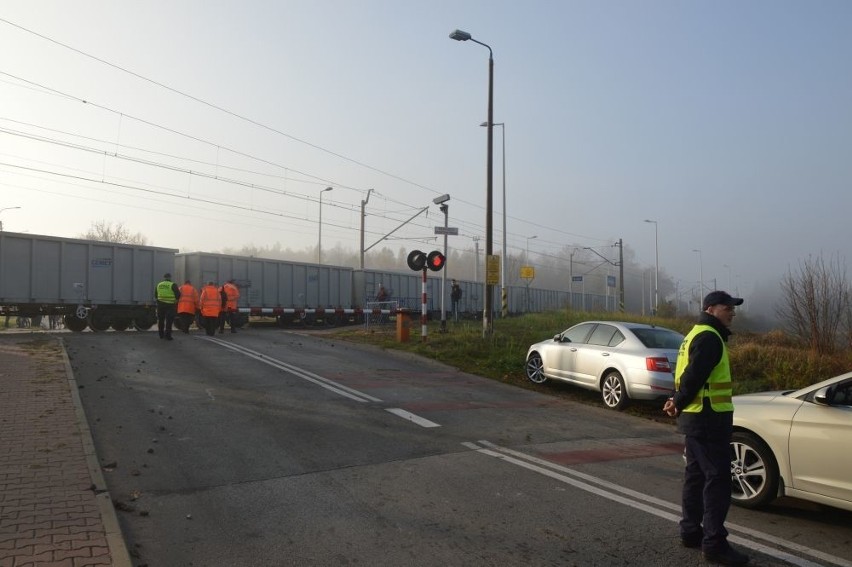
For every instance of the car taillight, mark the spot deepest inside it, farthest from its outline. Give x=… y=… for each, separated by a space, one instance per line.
x=658 y=364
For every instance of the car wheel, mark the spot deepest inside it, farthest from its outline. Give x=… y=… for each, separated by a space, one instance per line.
x=535 y=369
x=613 y=391
x=754 y=471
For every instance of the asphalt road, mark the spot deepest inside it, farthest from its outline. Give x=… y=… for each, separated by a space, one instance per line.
x=267 y=448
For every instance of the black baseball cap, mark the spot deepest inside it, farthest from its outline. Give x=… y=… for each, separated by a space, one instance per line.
x=167 y=276
x=720 y=298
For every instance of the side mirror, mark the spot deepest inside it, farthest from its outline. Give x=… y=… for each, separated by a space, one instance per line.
x=822 y=396
x=557 y=337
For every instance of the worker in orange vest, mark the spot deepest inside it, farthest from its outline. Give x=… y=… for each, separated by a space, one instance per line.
x=230 y=294
x=210 y=304
x=186 y=305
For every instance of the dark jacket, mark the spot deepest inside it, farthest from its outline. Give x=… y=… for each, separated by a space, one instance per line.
x=705 y=352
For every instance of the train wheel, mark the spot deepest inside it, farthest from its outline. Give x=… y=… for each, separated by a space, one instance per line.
x=121 y=323
x=99 y=321
x=75 y=324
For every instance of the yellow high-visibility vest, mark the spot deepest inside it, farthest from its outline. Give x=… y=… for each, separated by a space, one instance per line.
x=165 y=293
x=718 y=388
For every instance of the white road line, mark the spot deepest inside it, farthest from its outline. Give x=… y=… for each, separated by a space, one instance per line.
x=321 y=381
x=421 y=421
x=210 y=394
x=339 y=389
x=637 y=498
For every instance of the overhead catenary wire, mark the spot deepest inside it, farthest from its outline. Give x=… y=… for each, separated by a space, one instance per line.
x=237 y=116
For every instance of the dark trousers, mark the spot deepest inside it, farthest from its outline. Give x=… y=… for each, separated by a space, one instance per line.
x=707 y=490
x=210 y=324
x=165 y=318
x=186 y=320
x=226 y=317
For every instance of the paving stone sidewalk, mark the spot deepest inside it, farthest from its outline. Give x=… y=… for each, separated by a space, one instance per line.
x=54 y=507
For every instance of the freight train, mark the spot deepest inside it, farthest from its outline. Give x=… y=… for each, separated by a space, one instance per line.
x=103 y=285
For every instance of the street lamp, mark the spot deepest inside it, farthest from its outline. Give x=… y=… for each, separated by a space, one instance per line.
x=700 y=275
x=460 y=35
x=527 y=262
x=445 y=208
x=363 y=216
x=6 y=209
x=657 y=267
x=319 y=239
x=526 y=257
x=504 y=300
x=730 y=289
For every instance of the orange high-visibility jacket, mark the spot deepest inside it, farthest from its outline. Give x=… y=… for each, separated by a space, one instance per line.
x=210 y=301
x=188 y=299
x=233 y=295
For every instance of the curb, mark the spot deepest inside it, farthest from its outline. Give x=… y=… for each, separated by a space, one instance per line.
x=115 y=540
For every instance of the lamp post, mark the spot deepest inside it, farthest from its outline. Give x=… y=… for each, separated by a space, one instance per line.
x=527 y=255
x=445 y=208
x=656 y=268
x=730 y=288
x=527 y=261
x=504 y=299
x=6 y=209
x=700 y=275
x=460 y=35
x=319 y=239
x=363 y=216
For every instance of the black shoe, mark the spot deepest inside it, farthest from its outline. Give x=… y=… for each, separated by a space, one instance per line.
x=726 y=556
x=169 y=338
x=691 y=541
x=233 y=330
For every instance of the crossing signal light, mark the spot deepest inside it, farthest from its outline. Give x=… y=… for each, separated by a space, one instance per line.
x=436 y=261
x=418 y=260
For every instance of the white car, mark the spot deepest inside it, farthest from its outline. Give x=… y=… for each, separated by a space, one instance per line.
x=795 y=443
x=621 y=360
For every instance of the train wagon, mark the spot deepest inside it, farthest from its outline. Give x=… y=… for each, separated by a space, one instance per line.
x=91 y=284
x=292 y=292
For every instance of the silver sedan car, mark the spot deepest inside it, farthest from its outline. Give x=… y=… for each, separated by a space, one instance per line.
x=621 y=360
x=796 y=443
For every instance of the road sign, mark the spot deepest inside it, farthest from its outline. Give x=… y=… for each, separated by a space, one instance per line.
x=450 y=230
x=492 y=270
x=527 y=273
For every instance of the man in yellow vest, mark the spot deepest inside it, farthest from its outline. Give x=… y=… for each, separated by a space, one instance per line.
x=187 y=302
x=702 y=403
x=230 y=296
x=167 y=295
x=210 y=304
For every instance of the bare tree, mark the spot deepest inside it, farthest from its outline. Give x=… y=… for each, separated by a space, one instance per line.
x=815 y=301
x=104 y=231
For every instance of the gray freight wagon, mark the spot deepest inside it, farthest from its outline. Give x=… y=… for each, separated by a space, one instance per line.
x=91 y=284
x=289 y=291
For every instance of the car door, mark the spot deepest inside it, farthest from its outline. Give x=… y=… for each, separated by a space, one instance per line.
x=566 y=350
x=820 y=437
x=594 y=355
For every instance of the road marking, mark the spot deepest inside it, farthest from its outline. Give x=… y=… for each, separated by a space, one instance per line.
x=421 y=421
x=646 y=503
x=330 y=385
x=210 y=394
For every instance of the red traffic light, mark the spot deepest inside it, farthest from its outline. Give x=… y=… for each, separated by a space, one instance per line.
x=436 y=261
